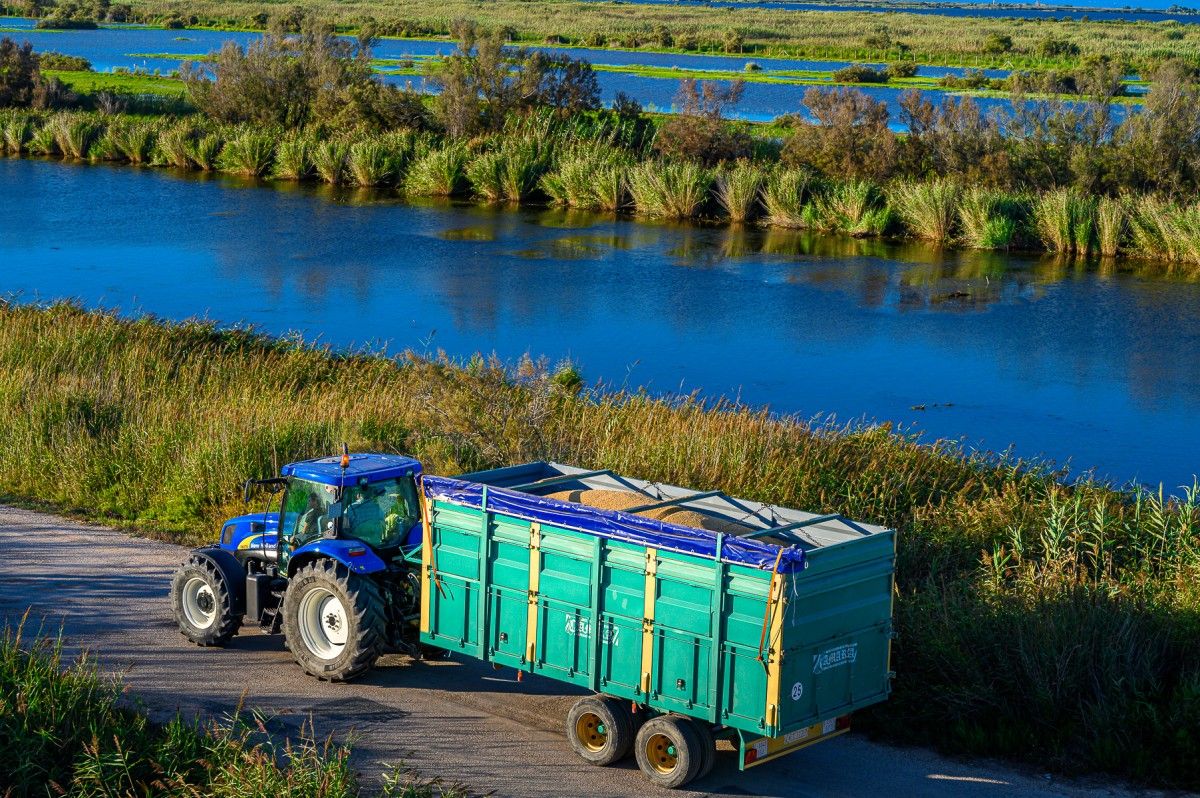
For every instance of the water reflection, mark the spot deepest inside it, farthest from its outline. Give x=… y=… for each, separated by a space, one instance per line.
x=1068 y=358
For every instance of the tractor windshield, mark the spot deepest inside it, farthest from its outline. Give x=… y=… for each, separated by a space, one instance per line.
x=380 y=513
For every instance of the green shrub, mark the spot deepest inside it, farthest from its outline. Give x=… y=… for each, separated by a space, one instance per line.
x=855 y=207
x=74 y=134
x=1065 y=221
x=173 y=146
x=16 y=128
x=370 y=162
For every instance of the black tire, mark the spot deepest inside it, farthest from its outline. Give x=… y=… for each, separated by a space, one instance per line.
x=708 y=746
x=668 y=751
x=203 y=603
x=600 y=729
x=358 y=616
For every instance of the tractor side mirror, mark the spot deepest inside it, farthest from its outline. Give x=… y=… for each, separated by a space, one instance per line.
x=334 y=523
x=246 y=486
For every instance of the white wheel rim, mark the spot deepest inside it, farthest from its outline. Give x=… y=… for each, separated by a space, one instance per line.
x=199 y=603
x=323 y=624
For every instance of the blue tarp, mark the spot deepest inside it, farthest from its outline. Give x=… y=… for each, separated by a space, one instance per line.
x=613 y=524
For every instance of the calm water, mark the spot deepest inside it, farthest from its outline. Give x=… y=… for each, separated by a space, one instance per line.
x=126 y=46
x=1057 y=360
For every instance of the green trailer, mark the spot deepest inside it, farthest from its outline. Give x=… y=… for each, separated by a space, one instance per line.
x=769 y=628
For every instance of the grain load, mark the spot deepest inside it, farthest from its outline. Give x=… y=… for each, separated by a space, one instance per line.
x=623 y=500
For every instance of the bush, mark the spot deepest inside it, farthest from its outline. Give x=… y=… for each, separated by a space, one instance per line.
x=787 y=197
x=438 y=173
x=249 y=152
x=738 y=191
x=858 y=73
x=850 y=138
x=698 y=131
x=928 y=209
x=63 y=63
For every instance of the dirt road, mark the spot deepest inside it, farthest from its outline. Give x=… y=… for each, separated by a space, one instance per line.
x=457 y=719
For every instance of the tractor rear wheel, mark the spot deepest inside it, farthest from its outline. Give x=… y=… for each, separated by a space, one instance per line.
x=333 y=621
x=203 y=604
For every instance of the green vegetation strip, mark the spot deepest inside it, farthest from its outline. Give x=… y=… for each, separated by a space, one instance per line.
x=125 y=83
x=1035 y=620
x=65 y=731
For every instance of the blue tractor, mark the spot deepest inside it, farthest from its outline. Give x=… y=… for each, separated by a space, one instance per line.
x=333 y=563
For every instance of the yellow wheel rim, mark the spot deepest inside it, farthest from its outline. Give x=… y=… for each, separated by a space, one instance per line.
x=660 y=753
x=590 y=731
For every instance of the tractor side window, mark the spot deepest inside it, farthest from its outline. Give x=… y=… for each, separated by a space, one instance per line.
x=305 y=510
x=380 y=513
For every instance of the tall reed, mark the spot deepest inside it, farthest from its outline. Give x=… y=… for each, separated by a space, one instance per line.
x=133 y=140
x=787 y=197
x=989 y=219
x=204 y=151
x=293 y=157
x=1065 y=221
x=739 y=191
x=927 y=209
x=74 y=134
x=671 y=190
x=441 y=172
x=329 y=159
x=16 y=128
x=589 y=177
x=248 y=152
x=855 y=207
x=1112 y=220
x=1165 y=230
x=173 y=145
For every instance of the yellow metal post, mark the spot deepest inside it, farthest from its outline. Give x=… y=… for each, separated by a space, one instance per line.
x=426 y=561
x=535 y=571
x=651 y=593
x=775 y=652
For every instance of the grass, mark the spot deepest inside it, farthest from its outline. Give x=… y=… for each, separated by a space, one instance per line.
x=92 y=82
x=1065 y=221
x=64 y=730
x=989 y=219
x=1049 y=622
x=248 y=152
x=788 y=196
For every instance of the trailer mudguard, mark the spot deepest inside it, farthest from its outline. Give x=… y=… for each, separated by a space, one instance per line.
x=354 y=555
x=232 y=570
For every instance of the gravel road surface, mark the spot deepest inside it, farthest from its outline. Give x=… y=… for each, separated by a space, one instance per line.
x=457 y=719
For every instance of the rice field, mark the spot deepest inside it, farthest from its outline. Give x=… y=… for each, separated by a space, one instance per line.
x=1018 y=596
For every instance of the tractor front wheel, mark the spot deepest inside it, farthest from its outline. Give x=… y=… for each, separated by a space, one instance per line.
x=333 y=621
x=203 y=604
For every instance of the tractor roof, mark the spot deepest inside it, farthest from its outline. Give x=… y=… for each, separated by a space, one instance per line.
x=328 y=470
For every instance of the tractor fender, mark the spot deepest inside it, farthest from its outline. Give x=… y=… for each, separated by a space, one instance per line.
x=231 y=569
x=358 y=557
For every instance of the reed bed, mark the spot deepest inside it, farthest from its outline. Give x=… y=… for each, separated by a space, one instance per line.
x=1017 y=597
x=597 y=167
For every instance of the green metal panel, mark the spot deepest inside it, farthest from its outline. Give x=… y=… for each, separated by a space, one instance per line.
x=709 y=641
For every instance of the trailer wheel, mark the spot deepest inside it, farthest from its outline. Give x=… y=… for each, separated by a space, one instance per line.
x=708 y=747
x=333 y=621
x=600 y=729
x=668 y=751
x=202 y=603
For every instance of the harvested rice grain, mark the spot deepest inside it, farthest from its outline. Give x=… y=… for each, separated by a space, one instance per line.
x=623 y=500
x=603 y=499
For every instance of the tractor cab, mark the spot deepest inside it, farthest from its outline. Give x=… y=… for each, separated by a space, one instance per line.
x=348 y=506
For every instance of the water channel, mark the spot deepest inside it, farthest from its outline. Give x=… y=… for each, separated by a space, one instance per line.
x=1071 y=361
